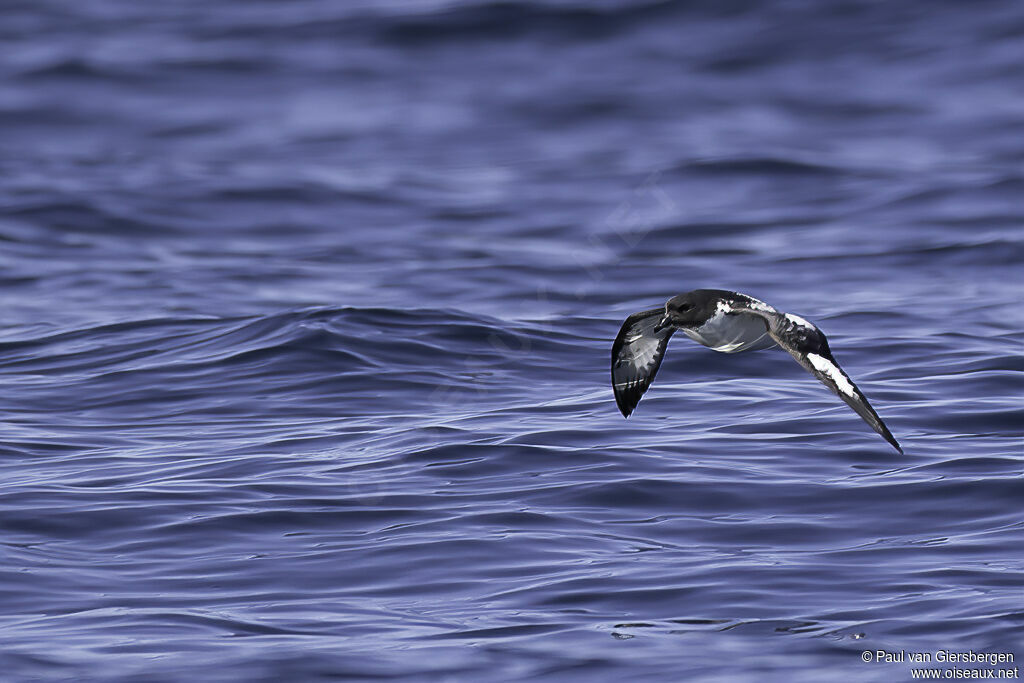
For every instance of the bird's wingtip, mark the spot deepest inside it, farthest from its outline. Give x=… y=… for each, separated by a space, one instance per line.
x=893 y=442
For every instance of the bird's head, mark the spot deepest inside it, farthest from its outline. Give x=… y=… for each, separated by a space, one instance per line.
x=685 y=310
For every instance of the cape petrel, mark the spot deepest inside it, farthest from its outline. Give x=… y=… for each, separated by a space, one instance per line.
x=728 y=322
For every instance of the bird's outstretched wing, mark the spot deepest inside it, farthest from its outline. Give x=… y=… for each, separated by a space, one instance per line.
x=808 y=345
x=636 y=357
x=825 y=368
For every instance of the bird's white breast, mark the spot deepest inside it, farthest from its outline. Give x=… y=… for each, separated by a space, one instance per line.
x=732 y=333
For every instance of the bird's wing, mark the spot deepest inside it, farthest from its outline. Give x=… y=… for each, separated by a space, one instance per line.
x=636 y=357
x=810 y=349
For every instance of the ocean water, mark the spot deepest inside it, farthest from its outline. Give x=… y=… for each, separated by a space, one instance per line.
x=307 y=310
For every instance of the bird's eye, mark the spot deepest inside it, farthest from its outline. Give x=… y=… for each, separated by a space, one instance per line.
x=685 y=307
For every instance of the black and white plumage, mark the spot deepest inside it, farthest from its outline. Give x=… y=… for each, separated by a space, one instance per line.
x=728 y=322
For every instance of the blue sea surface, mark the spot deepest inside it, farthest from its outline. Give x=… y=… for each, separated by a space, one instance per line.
x=307 y=315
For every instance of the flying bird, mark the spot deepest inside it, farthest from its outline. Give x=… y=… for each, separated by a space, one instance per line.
x=728 y=322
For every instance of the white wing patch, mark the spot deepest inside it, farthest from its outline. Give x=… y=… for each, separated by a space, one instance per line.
x=752 y=305
x=640 y=355
x=832 y=371
x=756 y=305
x=800 y=322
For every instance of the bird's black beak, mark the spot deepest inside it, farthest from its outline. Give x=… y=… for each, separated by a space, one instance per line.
x=664 y=323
